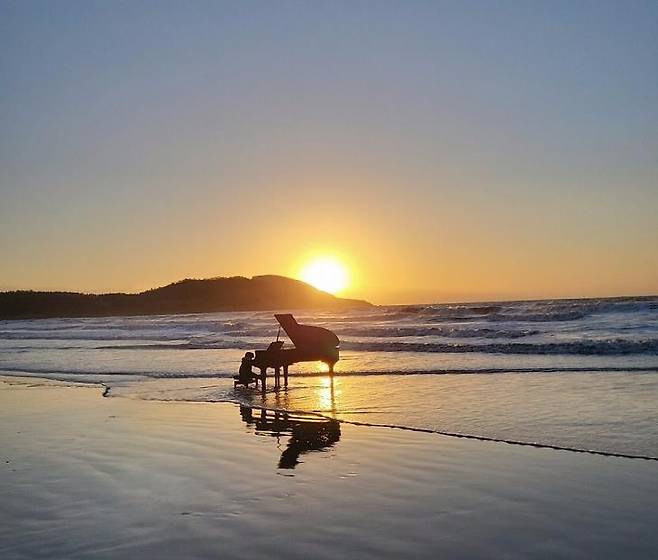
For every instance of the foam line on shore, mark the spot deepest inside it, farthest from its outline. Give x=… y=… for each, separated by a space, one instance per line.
x=228 y=375
x=460 y=435
x=508 y=441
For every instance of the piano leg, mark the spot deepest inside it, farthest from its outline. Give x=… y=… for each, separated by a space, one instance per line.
x=277 y=376
x=285 y=376
x=263 y=379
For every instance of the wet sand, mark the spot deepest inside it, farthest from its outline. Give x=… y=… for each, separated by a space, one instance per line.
x=90 y=477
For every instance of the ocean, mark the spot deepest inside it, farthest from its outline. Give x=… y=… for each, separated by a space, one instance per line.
x=574 y=374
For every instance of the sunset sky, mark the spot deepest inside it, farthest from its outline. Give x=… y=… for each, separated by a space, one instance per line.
x=442 y=150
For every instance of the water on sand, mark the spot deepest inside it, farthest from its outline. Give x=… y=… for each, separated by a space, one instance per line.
x=87 y=477
x=571 y=373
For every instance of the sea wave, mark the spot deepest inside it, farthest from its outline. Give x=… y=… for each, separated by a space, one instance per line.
x=529 y=311
x=442 y=331
x=614 y=347
x=581 y=347
x=148 y=332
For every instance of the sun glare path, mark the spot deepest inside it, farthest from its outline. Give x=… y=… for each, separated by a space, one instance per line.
x=325 y=273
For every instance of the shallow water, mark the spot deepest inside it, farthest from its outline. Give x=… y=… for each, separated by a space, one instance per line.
x=87 y=477
x=569 y=373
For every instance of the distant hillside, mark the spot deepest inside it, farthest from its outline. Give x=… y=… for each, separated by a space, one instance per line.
x=187 y=296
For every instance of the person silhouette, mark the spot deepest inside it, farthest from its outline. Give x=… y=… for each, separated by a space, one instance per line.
x=245 y=373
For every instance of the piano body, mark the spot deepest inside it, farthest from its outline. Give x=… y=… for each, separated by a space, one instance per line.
x=312 y=344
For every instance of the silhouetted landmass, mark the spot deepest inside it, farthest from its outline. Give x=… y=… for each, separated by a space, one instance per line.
x=259 y=293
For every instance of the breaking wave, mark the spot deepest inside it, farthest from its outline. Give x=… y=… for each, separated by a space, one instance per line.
x=533 y=311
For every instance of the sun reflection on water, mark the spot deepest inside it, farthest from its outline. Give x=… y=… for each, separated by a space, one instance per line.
x=325 y=395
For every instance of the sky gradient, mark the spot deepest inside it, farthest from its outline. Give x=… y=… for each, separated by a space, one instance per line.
x=445 y=150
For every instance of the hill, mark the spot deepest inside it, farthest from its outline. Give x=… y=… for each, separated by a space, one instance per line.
x=259 y=293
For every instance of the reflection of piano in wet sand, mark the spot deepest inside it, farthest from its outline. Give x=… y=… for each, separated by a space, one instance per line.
x=312 y=344
x=307 y=433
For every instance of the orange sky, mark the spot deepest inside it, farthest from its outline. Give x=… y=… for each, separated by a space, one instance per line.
x=444 y=152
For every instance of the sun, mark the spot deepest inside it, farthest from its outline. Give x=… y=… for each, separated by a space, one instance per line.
x=325 y=273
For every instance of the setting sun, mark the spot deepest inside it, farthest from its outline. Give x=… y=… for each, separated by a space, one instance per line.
x=325 y=273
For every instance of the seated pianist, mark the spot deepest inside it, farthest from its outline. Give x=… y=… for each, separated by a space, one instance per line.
x=245 y=374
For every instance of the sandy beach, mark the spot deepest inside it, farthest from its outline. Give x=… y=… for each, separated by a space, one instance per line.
x=90 y=477
x=328 y=280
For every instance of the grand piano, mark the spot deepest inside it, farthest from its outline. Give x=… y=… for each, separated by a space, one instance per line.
x=312 y=344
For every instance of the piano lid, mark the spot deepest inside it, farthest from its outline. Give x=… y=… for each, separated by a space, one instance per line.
x=307 y=336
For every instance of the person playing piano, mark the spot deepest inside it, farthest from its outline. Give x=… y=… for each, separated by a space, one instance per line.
x=311 y=344
x=246 y=374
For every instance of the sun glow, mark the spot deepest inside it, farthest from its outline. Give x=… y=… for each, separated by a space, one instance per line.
x=325 y=273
